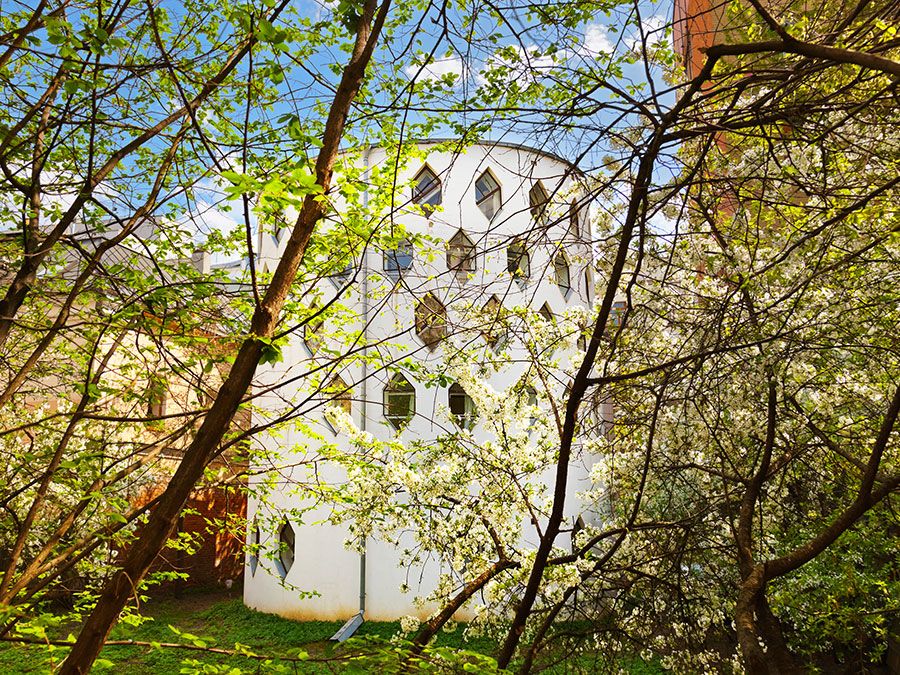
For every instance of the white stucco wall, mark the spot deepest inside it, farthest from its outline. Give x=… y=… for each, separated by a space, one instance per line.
x=322 y=562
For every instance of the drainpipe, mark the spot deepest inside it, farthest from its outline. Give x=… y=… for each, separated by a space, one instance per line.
x=354 y=622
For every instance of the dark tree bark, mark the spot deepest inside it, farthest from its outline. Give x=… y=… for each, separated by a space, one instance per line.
x=265 y=319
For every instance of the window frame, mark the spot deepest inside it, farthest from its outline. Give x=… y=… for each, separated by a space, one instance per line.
x=391 y=259
x=285 y=549
x=539 y=210
x=253 y=539
x=399 y=384
x=469 y=415
x=561 y=262
x=430 y=316
x=575 y=220
x=421 y=197
x=492 y=200
x=312 y=327
x=340 y=393
x=466 y=262
x=493 y=316
x=515 y=266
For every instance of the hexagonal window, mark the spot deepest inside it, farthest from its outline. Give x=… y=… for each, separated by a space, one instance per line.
x=461 y=253
x=312 y=330
x=287 y=546
x=561 y=273
x=574 y=220
x=398 y=260
x=339 y=392
x=518 y=260
x=427 y=190
x=253 y=546
x=431 y=320
x=399 y=401
x=493 y=325
x=487 y=194
x=538 y=201
x=462 y=407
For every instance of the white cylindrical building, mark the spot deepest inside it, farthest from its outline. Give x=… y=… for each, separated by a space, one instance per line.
x=504 y=226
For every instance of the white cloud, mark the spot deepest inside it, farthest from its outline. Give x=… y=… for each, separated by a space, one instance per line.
x=596 y=41
x=653 y=29
x=516 y=63
x=450 y=65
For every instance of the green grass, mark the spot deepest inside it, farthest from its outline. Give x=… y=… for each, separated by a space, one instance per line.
x=222 y=620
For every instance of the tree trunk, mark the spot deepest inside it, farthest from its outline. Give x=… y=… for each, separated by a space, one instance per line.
x=265 y=319
x=782 y=660
x=748 y=635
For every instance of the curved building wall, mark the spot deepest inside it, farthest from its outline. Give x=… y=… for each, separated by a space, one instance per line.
x=322 y=563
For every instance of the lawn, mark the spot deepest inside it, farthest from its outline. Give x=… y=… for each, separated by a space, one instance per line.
x=220 y=620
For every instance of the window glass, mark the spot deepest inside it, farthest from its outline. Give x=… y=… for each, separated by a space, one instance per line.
x=574 y=225
x=338 y=391
x=561 y=273
x=399 y=260
x=487 y=194
x=157 y=397
x=546 y=313
x=461 y=253
x=518 y=262
x=286 y=547
x=462 y=407
x=537 y=202
x=253 y=541
x=399 y=401
x=618 y=313
x=312 y=330
x=431 y=320
x=526 y=395
x=493 y=327
x=344 y=275
x=427 y=190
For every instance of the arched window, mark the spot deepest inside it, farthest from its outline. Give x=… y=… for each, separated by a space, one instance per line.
x=561 y=273
x=487 y=194
x=339 y=392
x=538 y=202
x=427 y=190
x=461 y=253
x=287 y=546
x=518 y=261
x=398 y=260
x=399 y=401
x=493 y=327
x=312 y=330
x=462 y=407
x=574 y=224
x=431 y=320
